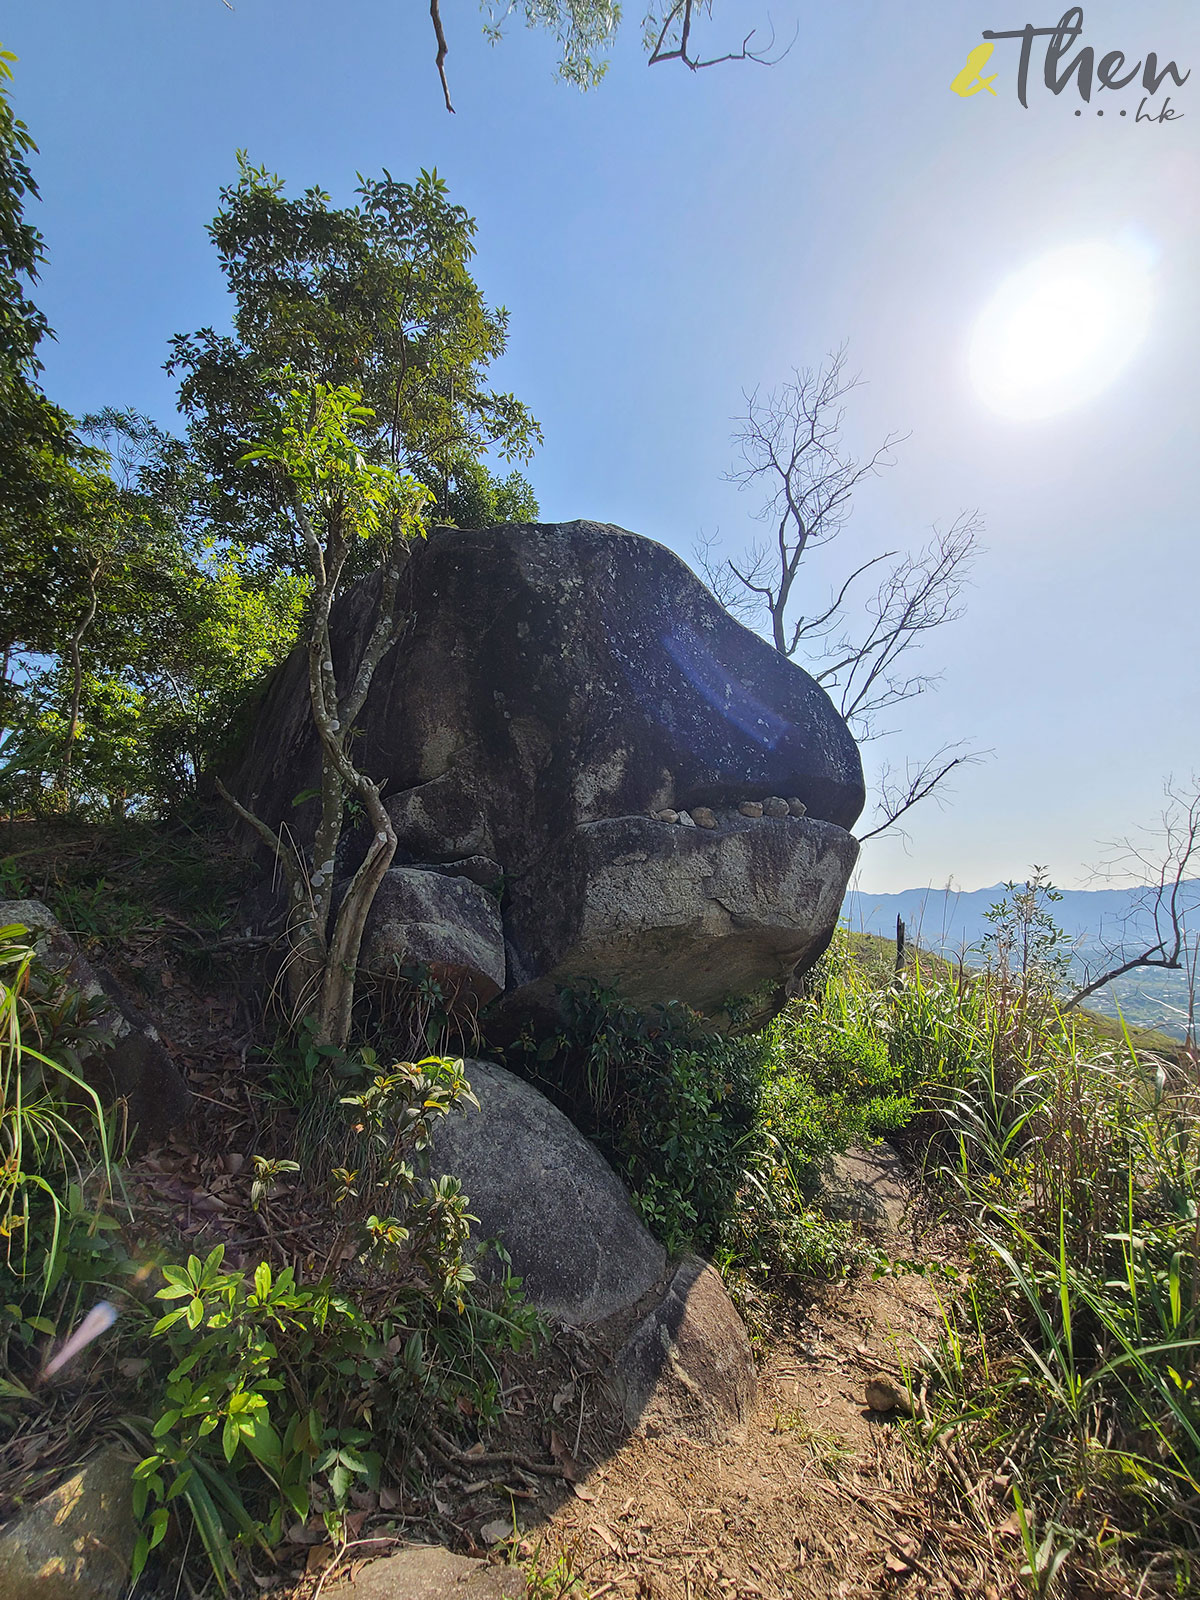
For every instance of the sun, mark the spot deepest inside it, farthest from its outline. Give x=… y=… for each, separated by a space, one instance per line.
x=1058 y=332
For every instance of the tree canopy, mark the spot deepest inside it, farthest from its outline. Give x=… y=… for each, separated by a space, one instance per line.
x=376 y=296
x=147 y=582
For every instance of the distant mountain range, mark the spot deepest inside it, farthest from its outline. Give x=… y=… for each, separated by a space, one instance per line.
x=950 y=921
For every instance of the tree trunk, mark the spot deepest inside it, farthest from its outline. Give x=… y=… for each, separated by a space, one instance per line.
x=64 y=781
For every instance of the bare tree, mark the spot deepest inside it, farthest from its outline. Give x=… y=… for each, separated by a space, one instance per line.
x=793 y=457
x=1163 y=857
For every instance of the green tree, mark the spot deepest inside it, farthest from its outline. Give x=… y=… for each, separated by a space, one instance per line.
x=145 y=636
x=348 y=513
x=377 y=297
x=32 y=431
x=128 y=633
x=37 y=483
x=473 y=497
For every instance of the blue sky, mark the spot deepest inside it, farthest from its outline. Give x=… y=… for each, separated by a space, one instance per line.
x=670 y=239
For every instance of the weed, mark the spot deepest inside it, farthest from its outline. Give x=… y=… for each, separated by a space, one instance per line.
x=552 y=1577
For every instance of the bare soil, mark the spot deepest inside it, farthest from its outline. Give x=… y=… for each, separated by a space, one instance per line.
x=818 y=1495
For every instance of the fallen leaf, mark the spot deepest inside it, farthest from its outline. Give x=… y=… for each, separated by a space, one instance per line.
x=584 y=1493
x=605 y=1533
x=319 y=1556
x=562 y=1457
x=298 y=1533
x=498 y=1530
x=564 y=1397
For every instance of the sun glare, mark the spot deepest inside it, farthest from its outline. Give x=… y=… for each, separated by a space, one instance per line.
x=1057 y=333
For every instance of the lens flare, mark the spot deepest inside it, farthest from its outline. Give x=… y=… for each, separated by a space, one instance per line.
x=1060 y=331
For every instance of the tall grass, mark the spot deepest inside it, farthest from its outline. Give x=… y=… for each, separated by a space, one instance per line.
x=53 y=1132
x=1068 y=1371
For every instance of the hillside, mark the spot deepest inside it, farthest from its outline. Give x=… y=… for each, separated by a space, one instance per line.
x=951 y=921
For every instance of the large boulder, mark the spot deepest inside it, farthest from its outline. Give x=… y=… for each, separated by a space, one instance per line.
x=536 y=1184
x=663 y=912
x=558 y=687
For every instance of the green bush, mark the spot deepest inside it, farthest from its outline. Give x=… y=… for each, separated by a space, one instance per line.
x=673 y=1105
x=280 y=1398
x=53 y=1133
x=714 y=1135
x=256 y=1396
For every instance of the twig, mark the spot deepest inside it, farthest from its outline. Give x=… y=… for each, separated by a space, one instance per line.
x=455 y=1457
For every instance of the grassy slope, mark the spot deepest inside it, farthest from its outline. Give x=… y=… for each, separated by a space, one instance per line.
x=879 y=954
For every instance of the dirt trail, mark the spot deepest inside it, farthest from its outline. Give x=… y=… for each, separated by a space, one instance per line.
x=817 y=1496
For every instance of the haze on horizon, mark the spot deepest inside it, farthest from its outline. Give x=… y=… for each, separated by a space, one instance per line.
x=672 y=239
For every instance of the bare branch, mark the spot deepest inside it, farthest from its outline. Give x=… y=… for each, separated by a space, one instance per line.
x=681 y=13
x=729 y=588
x=918 y=782
x=1165 y=857
x=808 y=627
x=442 y=50
x=919 y=594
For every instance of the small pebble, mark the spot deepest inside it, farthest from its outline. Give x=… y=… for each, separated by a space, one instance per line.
x=774 y=806
x=703 y=817
x=796 y=808
x=686 y=821
x=668 y=815
x=751 y=808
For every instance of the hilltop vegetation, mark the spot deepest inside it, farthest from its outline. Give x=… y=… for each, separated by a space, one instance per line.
x=953 y=923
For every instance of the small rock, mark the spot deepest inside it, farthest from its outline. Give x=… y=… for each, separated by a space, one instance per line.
x=751 y=808
x=686 y=820
x=426 y=1572
x=703 y=817
x=884 y=1395
x=775 y=806
x=796 y=808
x=76 y=1542
x=668 y=815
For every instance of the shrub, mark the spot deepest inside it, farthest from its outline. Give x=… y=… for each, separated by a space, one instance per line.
x=281 y=1398
x=693 y=1119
